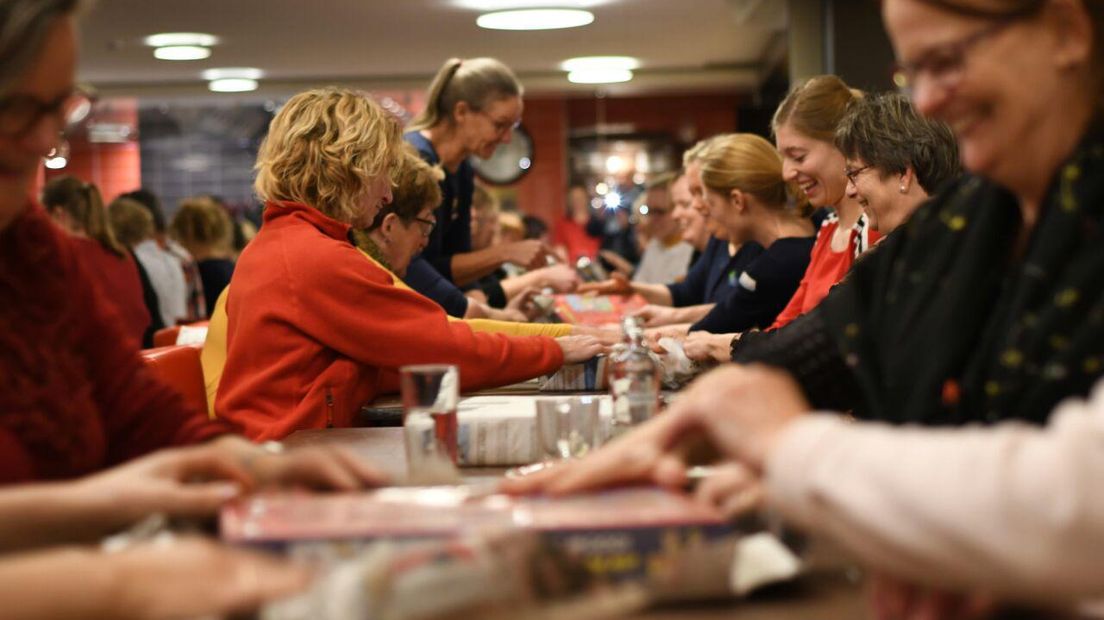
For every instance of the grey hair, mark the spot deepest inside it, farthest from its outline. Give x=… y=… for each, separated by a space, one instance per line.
x=475 y=81
x=23 y=28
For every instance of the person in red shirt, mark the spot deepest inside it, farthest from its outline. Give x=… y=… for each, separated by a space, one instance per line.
x=570 y=236
x=78 y=208
x=314 y=331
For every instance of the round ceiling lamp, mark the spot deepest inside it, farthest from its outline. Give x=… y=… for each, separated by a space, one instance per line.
x=535 y=19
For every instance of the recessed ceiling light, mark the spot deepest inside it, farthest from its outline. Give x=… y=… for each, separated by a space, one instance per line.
x=245 y=73
x=599 y=76
x=182 y=52
x=232 y=85
x=167 y=39
x=535 y=19
x=586 y=63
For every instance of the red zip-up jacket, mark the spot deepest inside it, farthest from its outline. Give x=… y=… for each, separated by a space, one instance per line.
x=314 y=331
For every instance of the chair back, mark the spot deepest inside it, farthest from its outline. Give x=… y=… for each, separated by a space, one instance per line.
x=179 y=367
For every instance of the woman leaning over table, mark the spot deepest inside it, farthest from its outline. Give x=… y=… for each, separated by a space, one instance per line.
x=472 y=107
x=1011 y=512
x=314 y=330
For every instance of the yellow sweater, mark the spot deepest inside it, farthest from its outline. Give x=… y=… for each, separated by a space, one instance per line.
x=213 y=356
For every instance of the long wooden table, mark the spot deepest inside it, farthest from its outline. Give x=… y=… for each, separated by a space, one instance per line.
x=829 y=590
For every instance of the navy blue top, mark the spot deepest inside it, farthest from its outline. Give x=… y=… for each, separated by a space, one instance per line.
x=215 y=274
x=430 y=273
x=713 y=276
x=762 y=290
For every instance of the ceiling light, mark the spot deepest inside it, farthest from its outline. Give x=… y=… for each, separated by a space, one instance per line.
x=586 y=63
x=182 y=52
x=232 y=85
x=56 y=163
x=535 y=19
x=244 y=73
x=599 y=76
x=169 y=39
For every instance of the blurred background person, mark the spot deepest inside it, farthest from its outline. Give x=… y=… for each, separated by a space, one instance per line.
x=78 y=208
x=203 y=227
x=132 y=225
x=666 y=256
x=570 y=236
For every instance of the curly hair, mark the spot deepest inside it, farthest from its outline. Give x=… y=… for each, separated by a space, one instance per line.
x=325 y=148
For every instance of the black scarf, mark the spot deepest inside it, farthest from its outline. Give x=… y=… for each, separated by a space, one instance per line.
x=944 y=324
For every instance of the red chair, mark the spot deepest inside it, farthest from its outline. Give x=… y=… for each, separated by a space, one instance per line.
x=166 y=336
x=179 y=367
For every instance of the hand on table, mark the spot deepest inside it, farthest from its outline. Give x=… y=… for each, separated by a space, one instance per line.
x=530 y=253
x=895 y=599
x=316 y=467
x=522 y=305
x=732 y=488
x=656 y=316
x=560 y=278
x=191 y=482
x=608 y=336
x=653 y=334
x=193 y=577
x=704 y=346
x=618 y=284
x=580 y=348
x=739 y=411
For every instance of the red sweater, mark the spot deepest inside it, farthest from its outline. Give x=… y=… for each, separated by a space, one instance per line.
x=117 y=278
x=826 y=268
x=75 y=396
x=315 y=331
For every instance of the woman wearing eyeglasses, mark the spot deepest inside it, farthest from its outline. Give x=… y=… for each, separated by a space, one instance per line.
x=987 y=304
x=472 y=107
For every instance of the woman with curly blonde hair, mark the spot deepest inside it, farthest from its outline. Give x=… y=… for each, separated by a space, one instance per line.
x=314 y=330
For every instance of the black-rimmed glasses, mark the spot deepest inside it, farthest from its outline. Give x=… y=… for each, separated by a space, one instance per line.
x=427 y=226
x=853 y=173
x=944 y=64
x=19 y=113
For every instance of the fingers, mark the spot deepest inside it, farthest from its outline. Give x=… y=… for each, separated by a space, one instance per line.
x=361 y=469
x=207 y=462
x=732 y=488
x=316 y=468
x=186 y=500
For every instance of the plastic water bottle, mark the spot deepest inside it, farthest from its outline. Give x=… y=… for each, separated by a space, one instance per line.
x=634 y=378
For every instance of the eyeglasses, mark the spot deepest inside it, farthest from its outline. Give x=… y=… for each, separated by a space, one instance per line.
x=853 y=173
x=944 y=64
x=19 y=113
x=502 y=126
x=427 y=226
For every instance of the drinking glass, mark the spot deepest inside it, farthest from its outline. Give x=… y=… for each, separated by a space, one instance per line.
x=429 y=398
x=568 y=428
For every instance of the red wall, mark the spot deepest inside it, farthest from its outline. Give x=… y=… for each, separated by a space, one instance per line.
x=541 y=191
x=114 y=168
